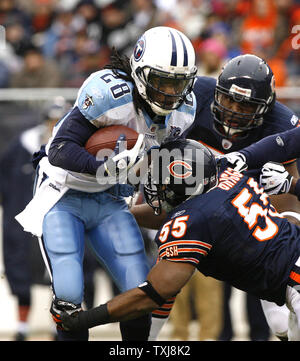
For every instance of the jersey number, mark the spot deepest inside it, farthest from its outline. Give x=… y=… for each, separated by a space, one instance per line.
x=250 y=214
x=178 y=228
x=117 y=90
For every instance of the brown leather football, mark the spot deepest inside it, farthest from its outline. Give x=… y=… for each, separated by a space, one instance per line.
x=105 y=138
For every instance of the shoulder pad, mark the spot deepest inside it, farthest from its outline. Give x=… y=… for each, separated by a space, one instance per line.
x=102 y=91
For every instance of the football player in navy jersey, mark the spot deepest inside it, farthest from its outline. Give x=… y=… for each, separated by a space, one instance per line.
x=220 y=222
x=275 y=148
x=240 y=108
x=151 y=93
x=234 y=111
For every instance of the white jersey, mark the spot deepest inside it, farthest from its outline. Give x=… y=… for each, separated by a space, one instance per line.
x=104 y=99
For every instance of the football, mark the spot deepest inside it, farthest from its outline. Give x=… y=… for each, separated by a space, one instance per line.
x=106 y=138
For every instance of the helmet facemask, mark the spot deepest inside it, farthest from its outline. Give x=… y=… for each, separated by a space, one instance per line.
x=236 y=124
x=245 y=92
x=164 y=91
x=183 y=169
x=163 y=68
x=162 y=196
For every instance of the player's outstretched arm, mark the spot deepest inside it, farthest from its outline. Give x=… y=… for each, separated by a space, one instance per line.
x=281 y=147
x=164 y=281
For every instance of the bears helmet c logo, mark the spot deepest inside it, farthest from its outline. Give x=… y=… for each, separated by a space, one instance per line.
x=185 y=165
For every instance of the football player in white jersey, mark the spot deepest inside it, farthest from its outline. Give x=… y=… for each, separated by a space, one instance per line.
x=151 y=93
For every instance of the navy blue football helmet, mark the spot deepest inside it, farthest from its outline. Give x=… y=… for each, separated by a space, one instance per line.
x=247 y=81
x=182 y=168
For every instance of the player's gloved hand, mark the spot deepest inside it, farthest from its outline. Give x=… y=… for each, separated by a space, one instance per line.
x=275 y=178
x=237 y=161
x=60 y=307
x=123 y=159
x=73 y=322
x=85 y=319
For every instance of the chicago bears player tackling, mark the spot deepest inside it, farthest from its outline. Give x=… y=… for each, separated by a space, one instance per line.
x=152 y=93
x=219 y=222
x=239 y=109
x=233 y=112
x=275 y=148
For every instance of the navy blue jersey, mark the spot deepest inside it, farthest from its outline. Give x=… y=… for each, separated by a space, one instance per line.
x=233 y=234
x=279 y=119
x=278 y=148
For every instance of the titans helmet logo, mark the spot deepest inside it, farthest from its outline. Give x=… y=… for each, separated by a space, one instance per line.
x=139 y=49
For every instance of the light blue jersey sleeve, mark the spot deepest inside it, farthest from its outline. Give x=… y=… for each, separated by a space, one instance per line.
x=102 y=92
x=182 y=118
x=189 y=105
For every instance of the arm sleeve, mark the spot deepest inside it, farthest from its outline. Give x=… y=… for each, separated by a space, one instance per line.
x=67 y=148
x=279 y=147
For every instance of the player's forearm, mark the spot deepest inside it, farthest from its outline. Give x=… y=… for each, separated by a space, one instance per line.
x=129 y=305
x=72 y=157
x=126 y=306
x=146 y=218
x=280 y=148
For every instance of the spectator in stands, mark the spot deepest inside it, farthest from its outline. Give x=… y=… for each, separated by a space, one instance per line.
x=226 y=35
x=117 y=27
x=90 y=12
x=59 y=38
x=16 y=36
x=84 y=59
x=211 y=55
x=9 y=10
x=290 y=50
x=145 y=14
x=257 y=30
x=42 y=15
x=37 y=72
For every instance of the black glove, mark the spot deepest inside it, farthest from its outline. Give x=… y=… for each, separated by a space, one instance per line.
x=85 y=319
x=74 y=322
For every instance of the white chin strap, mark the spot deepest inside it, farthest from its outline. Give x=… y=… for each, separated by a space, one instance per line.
x=158 y=110
x=231 y=131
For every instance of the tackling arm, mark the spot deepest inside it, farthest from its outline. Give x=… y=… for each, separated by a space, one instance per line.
x=167 y=279
x=280 y=147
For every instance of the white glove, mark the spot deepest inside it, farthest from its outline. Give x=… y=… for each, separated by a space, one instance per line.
x=237 y=161
x=125 y=159
x=117 y=165
x=275 y=178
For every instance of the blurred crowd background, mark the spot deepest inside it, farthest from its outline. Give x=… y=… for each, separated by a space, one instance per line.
x=52 y=43
x=59 y=43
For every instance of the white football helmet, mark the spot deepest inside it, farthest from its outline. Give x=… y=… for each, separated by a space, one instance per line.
x=163 y=68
